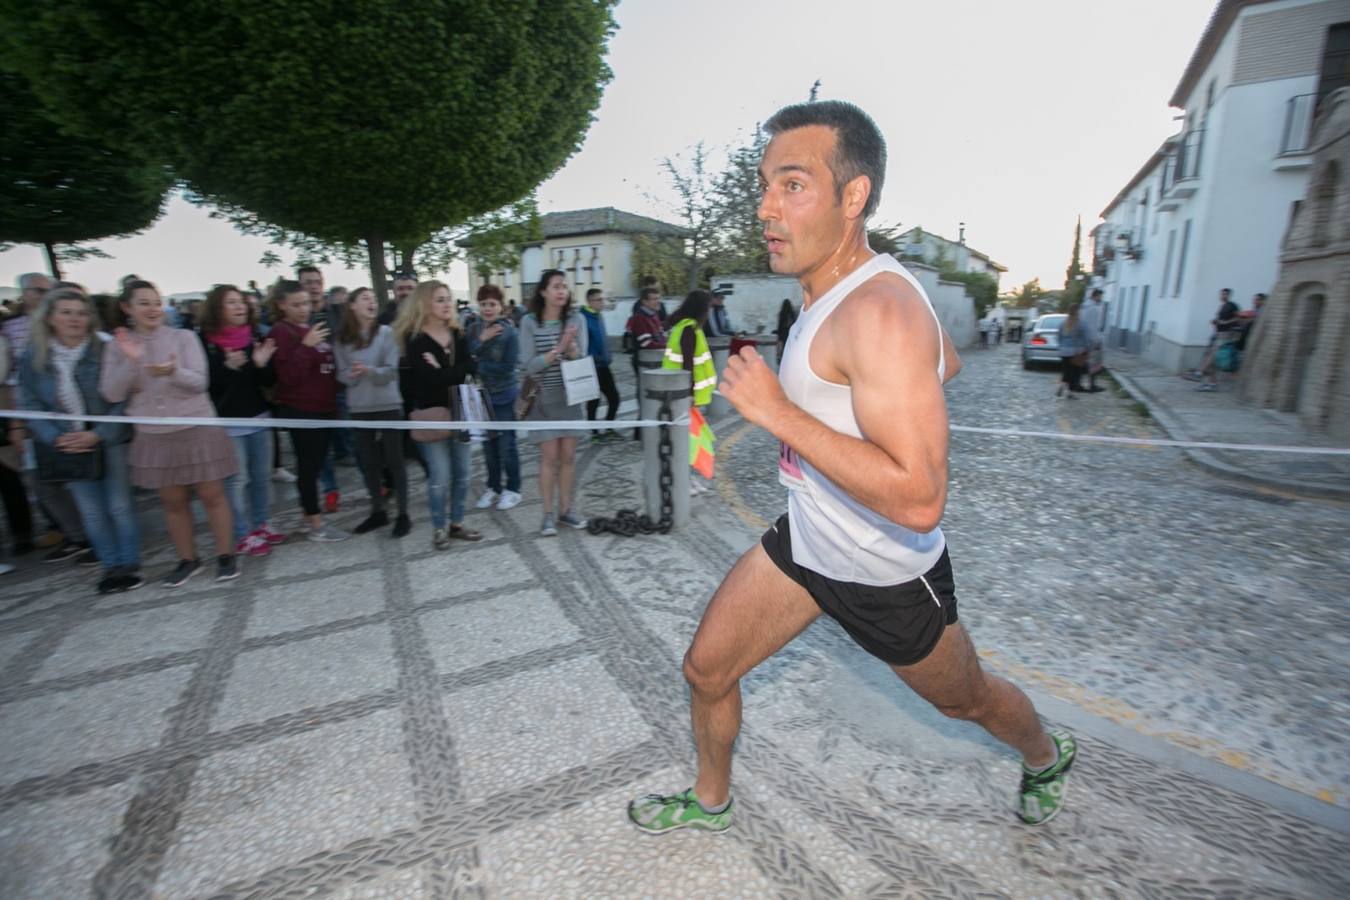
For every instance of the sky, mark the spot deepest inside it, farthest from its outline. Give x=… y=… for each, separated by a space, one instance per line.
x=1013 y=117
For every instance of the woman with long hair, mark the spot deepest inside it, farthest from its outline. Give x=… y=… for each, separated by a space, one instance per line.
x=306 y=389
x=367 y=363
x=60 y=373
x=687 y=349
x=161 y=372
x=550 y=333
x=787 y=317
x=437 y=362
x=240 y=362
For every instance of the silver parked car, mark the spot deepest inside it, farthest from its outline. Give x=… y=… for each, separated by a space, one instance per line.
x=1041 y=342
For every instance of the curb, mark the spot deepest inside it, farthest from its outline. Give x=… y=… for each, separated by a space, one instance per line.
x=1205 y=459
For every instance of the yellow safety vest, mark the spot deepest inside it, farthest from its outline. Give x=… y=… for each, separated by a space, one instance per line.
x=705 y=374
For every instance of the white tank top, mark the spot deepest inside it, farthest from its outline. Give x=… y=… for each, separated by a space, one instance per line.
x=833 y=534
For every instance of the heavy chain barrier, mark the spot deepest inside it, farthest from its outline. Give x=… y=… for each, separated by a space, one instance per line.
x=628 y=522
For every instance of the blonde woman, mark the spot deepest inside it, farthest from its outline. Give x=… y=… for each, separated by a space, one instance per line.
x=60 y=373
x=436 y=361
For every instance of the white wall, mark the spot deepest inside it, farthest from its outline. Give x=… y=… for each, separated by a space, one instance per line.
x=954 y=307
x=756 y=299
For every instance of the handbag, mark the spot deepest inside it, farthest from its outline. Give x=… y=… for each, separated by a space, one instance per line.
x=474 y=407
x=431 y=414
x=57 y=466
x=529 y=392
x=580 y=381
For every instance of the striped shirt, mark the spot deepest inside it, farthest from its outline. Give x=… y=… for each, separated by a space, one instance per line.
x=537 y=339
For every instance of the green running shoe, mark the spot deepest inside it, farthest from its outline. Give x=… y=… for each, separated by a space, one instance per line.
x=656 y=814
x=1042 y=793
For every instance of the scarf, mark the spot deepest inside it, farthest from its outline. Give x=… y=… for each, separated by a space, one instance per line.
x=232 y=337
x=68 y=394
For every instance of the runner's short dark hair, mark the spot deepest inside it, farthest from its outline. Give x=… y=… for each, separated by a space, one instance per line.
x=859 y=148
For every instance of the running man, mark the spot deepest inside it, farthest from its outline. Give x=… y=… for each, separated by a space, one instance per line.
x=860 y=541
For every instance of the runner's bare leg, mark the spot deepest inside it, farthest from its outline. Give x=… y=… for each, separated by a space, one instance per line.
x=755 y=612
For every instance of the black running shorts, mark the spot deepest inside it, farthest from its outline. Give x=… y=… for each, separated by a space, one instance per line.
x=899 y=624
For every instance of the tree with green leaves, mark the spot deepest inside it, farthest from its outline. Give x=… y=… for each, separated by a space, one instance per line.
x=1075 y=284
x=61 y=190
x=285 y=115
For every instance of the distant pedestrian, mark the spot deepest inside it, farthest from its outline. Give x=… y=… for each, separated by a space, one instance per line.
x=366 y=356
x=1227 y=330
x=239 y=359
x=1093 y=317
x=787 y=317
x=598 y=344
x=645 y=331
x=719 y=321
x=984 y=334
x=161 y=372
x=438 y=362
x=495 y=344
x=1249 y=319
x=60 y=374
x=306 y=389
x=1073 y=352
x=551 y=333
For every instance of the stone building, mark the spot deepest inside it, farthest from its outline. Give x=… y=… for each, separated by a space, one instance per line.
x=1299 y=361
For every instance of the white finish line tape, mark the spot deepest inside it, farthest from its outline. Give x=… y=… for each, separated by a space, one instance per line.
x=378 y=425
x=1155 y=442
x=587 y=425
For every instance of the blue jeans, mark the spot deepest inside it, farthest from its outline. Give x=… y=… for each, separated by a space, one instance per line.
x=447 y=470
x=107 y=510
x=254 y=452
x=327 y=477
x=499 y=452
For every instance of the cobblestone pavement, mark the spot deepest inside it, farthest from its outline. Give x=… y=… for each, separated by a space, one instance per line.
x=1220 y=416
x=373 y=719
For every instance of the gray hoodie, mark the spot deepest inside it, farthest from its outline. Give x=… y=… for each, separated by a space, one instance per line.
x=377 y=390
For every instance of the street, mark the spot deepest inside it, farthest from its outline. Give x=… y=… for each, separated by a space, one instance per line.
x=377 y=719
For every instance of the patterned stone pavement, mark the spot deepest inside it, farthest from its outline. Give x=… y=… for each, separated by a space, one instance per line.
x=374 y=719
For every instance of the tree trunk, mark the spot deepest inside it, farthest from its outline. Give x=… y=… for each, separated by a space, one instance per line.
x=375 y=252
x=52 y=262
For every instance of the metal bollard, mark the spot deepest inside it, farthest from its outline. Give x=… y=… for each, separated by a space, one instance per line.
x=651 y=359
x=677 y=386
x=721 y=351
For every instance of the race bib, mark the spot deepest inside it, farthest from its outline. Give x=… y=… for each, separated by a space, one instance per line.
x=790 y=469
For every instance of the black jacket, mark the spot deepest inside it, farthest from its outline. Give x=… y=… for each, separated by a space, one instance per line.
x=425 y=386
x=238 y=393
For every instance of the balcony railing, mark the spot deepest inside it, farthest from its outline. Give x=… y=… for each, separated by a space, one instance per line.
x=1183 y=162
x=1298 y=119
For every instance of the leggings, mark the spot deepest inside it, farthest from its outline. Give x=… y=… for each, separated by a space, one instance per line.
x=379 y=452
x=311 y=445
x=611 y=392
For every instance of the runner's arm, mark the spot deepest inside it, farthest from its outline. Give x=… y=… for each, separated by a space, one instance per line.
x=900 y=470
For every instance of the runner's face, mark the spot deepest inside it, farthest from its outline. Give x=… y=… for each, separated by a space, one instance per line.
x=803 y=222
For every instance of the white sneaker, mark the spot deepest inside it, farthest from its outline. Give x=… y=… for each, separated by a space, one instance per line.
x=488 y=498
x=327 y=533
x=282 y=475
x=510 y=500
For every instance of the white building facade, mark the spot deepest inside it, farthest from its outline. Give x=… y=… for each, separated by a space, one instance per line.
x=934 y=248
x=593 y=247
x=1210 y=208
